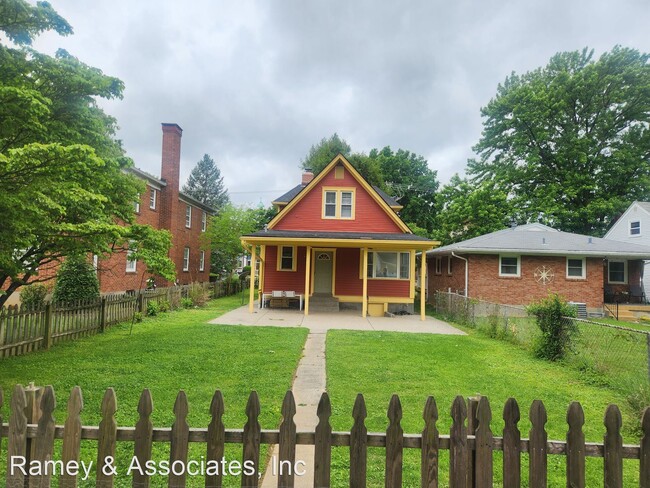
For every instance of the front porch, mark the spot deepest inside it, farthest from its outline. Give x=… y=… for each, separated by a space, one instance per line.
x=345 y=319
x=627 y=312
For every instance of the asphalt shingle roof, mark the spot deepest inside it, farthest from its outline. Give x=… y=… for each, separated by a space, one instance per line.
x=538 y=239
x=338 y=235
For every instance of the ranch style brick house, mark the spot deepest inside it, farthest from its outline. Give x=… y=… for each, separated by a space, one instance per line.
x=522 y=264
x=163 y=206
x=337 y=242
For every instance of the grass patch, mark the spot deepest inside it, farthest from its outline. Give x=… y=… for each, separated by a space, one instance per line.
x=172 y=351
x=417 y=365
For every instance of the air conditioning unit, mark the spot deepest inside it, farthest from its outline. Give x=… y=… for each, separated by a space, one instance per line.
x=581 y=309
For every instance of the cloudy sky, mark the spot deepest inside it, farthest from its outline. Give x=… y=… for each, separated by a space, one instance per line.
x=256 y=83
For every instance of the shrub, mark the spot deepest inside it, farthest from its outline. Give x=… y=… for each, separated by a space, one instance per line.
x=137 y=317
x=557 y=331
x=33 y=296
x=164 y=305
x=198 y=295
x=76 y=280
x=153 y=308
x=186 y=302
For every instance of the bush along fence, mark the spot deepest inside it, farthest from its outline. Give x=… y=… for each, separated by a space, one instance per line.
x=32 y=430
x=619 y=354
x=23 y=330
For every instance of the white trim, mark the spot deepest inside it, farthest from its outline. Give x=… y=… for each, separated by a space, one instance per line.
x=186 y=259
x=188 y=216
x=510 y=275
x=398 y=270
x=204 y=221
x=584 y=268
x=438 y=266
x=131 y=266
x=137 y=205
x=624 y=282
x=629 y=228
x=448 y=265
x=202 y=261
x=152 y=201
x=624 y=216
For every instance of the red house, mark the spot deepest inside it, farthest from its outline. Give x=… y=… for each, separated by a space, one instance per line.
x=337 y=242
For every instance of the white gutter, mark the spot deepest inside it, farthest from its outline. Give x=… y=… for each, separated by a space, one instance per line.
x=466 y=271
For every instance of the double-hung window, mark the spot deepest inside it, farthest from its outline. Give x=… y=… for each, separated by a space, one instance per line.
x=635 y=228
x=131 y=264
x=136 y=204
x=204 y=221
x=509 y=266
x=186 y=259
x=338 y=203
x=575 y=268
x=617 y=271
x=188 y=216
x=153 y=193
x=286 y=258
x=202 y=261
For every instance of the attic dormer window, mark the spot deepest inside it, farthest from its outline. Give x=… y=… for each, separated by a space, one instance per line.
x=635 y=228
x=338 y=203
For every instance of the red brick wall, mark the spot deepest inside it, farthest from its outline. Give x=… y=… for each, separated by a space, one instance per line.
x=485 y=282
x=307 y=215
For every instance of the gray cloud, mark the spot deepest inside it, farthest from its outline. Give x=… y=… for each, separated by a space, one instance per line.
x=255 y=84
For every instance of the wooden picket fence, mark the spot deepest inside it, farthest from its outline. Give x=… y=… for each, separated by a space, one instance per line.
x=31 y=432
x=24 y=330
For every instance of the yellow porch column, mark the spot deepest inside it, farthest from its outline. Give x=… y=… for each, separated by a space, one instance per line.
x=423 y=271
x=364 y=298
x=307 y=273
x=251 y=301
x=260 y=293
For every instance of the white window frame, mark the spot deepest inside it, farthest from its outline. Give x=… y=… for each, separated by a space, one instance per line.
x=625 y=276
x=631 y=234
x=202 y=261
x=510 y=275
x=584 y=268
x=204 y=221
x=188 y=216
x=131 y=266
x=186 y=259
x=153 y=197
x=449 y=265
x=137 y=205
x=438 y=262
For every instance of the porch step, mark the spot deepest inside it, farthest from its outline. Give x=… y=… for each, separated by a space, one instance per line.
x=323 y=303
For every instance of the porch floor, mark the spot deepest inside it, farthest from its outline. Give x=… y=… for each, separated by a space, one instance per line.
x=345 y=319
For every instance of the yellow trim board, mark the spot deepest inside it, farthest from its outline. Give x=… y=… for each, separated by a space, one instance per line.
x=338 y=202
x=314 y=250
x=371 y=299
x=360 y=179
x=353 y=243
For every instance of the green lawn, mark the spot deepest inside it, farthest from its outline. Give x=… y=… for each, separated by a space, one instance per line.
x=379 y=364
x=177 y=350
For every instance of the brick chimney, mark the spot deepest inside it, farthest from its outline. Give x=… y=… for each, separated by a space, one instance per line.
x=170 y=172
x=307 y=176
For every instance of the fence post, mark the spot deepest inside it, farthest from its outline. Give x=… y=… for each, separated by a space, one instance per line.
x=47 y=333
x=102 y=317
x=140 y=303
x=472 y=424
x=33 y=395
x=648 y=347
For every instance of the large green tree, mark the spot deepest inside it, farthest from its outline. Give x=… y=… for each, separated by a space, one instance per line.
x=205 y=183
x=570 y=142
x=408 y=178
x=224 y=231
x=63 y=189
x=469 y=210
x=321 y=154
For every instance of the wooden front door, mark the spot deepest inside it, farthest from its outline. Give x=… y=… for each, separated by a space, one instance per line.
x=323 y=272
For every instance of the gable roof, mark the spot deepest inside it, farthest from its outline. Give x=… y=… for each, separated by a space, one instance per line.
x=645 y=206
x=296 y=194
x=538 y=239
x=291 y=194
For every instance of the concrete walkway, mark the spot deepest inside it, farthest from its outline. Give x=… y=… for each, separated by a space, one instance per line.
x=346 y=319
x=310 y=380
x=308 y=385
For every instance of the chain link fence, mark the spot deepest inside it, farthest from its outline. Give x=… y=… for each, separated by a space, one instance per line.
x=614 y=355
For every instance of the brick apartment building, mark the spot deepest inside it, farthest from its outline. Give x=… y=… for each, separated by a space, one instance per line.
x=164 y=206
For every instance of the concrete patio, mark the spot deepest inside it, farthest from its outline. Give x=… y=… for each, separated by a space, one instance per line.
x=345 y=319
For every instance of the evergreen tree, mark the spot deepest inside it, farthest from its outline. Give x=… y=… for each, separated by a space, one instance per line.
x=206 y=184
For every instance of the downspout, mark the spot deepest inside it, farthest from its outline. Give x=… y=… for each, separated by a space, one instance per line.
x=466 y=271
